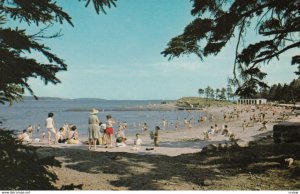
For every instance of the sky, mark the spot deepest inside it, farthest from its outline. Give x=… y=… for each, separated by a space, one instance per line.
x=117 y=56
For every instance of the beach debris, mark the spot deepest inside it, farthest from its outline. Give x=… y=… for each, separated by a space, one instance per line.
x=206 y=182
x=242 y=143
x=148 y=149
x=288 y=162
x=72 y=187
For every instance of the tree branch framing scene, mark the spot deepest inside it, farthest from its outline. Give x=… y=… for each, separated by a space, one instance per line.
x=193 y=95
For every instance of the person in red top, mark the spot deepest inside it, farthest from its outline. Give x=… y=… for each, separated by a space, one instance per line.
x=109 y=129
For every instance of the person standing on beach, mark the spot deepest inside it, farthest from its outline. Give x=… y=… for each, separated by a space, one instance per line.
x=109 y=129
x=30 y=130
x=93 y=129
x=244 y=125
x=145 y=127
x=156 y=136
x=176 y=124
x=186 y=123
x=50 y=127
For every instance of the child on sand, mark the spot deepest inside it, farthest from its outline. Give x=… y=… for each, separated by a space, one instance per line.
x=30 y=130
x=225 y=130
x=109 y=130
x=138 y=140
x=61 y=135
x=137 y=143
x=264 y=127
x=73 y=136
x=120 y=136
x=24 y=137
x=216 y=129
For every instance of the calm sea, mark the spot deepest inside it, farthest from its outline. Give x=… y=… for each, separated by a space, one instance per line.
x=34 y=112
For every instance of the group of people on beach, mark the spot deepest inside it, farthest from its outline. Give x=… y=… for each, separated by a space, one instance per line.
x=102 y=133
x=99 y=133
x=67 y=134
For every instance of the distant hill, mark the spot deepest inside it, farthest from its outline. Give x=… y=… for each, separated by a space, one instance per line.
x=90 y=99
x=43 y=98
x=57 y=98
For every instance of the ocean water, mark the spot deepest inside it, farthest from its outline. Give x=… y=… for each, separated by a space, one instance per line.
x=76 y=112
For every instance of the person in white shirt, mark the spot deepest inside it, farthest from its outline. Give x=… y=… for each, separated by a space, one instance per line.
x=50 y=127
x=137 y=143
x=138 y=140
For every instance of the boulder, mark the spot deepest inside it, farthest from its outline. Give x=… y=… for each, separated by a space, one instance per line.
x=207 y=182
x=286 y=132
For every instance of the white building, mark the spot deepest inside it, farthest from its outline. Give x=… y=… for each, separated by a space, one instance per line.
x=252 y=101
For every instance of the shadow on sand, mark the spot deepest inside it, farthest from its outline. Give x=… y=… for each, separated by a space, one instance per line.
x=261 y=159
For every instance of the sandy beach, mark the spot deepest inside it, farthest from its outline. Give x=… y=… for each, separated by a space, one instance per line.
x=174 y=164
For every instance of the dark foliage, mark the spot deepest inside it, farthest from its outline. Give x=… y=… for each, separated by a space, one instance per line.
x=17 y=64
x=21 y=169
x=289 y=93
x=218 y=21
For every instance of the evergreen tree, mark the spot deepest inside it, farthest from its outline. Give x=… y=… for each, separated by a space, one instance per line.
x=278 y=93
x=217 y=91
x=200 y=92
x=217 y=22
x=272 y=92
x=18 y=48
x=222 y=95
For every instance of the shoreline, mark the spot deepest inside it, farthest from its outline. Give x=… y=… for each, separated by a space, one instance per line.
x=184 y=161
x=186 y=140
